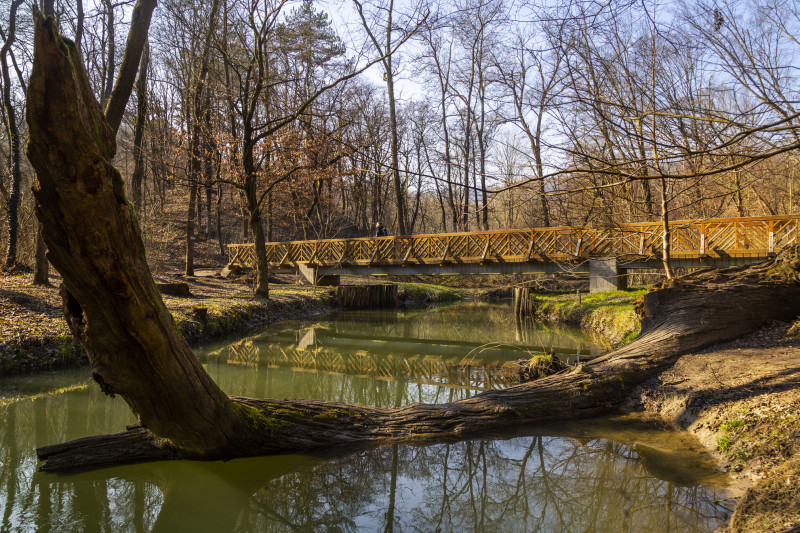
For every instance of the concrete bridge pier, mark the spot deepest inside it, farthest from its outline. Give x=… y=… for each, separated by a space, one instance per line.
x=605 y=275
x=310 y=276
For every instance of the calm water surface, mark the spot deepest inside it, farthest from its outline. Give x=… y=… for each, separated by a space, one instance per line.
x=612 y=475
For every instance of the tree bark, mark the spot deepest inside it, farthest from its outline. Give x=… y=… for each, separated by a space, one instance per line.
x=190 y=221
x=137 y=37
x=110 y=61
x=110 y=300
x=12 y=206
x=666 y=236
x=113 y=307
x=137 y=178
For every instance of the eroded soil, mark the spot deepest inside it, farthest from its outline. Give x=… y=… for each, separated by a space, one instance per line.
x=742 y=399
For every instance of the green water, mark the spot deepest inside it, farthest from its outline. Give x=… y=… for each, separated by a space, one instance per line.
x=610 y=475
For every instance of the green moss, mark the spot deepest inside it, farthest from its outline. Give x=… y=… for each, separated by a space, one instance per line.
x=727 y=427
x=261 y=421
x=427 y=292
x=724 y=443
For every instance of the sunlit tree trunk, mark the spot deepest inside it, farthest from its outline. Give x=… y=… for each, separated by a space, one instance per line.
x=137 y=177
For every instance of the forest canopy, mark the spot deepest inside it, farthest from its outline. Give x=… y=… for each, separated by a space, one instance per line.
x=278 y=120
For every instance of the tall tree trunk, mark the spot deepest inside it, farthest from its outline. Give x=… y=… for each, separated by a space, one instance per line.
x=190 y=220
x=110 y=66
x=399 y=193
x=78 y=24
x=134 y=47
x=209 y=149
x=111 y=302
x=41 y=266
x=261 y=275
x=12 y=206
x=386 y=49
x=195 y=161
x=220 y=240
x=137 y=177
x=645 y=183
x=666 y=252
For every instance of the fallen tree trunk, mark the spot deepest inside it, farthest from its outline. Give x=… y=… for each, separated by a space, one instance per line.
x=685 y=315
x=114 y=308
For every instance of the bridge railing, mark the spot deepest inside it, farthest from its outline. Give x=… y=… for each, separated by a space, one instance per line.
x=720 y=237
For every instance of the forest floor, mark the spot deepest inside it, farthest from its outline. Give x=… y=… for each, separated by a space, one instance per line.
x=741 y=399
x=34 y=334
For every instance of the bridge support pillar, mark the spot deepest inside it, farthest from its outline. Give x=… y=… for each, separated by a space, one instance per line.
x=310 y=276
x=604 y=275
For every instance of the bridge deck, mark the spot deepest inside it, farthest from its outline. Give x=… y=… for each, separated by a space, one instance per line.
x=693 y=243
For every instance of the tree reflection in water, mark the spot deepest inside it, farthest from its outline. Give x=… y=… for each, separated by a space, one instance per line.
x=531 y=483
x=586 y=479
x=524 y=483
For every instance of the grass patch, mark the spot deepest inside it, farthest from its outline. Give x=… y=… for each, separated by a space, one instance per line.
x=729 y=426
x=423 y=292
x=610 y=314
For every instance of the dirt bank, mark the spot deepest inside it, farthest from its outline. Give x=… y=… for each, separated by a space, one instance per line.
x=35 y=336
x=608 y=315
x=742 y=400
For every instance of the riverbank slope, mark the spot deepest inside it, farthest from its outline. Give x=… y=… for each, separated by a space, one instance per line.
x=34 y=335
x=742 y=400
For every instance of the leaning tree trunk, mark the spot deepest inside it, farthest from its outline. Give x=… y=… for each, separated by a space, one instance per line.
x=110 y=300
x=113 y=307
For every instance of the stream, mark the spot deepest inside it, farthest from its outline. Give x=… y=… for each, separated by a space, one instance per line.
x=612 y=474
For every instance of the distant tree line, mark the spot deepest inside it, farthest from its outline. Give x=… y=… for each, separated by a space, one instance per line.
x=263 y=120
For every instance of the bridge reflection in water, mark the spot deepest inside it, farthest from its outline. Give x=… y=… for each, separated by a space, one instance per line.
x=396 y=352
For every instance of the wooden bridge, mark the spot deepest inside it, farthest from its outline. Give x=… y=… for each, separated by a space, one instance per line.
x=604 y=252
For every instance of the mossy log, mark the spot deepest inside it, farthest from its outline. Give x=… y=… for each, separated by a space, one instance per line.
x=114 y=308
x=687 y=314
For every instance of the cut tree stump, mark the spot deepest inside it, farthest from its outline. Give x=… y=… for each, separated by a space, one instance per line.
x=366 y=296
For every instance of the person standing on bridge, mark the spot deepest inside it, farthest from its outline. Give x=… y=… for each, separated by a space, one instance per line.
x=380 y=230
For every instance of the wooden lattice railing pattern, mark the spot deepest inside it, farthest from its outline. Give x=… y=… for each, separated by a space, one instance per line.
x=426 y=370
x=752 y=237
